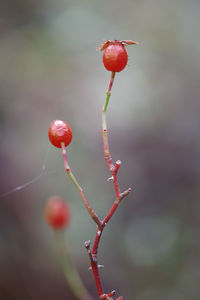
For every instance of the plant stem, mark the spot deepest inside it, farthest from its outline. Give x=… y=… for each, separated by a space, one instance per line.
x=79 y=188
x=69 y=269
x=119 y=196
x=108 y=93
x=104 y=126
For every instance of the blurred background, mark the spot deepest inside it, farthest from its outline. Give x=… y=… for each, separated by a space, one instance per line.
x=50 y=69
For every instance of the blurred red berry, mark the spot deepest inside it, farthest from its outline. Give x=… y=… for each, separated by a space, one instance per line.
x=60 y=132
x=115 y=57
x=57 y=213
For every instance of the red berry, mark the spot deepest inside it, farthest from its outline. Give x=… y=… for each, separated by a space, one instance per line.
x=60 y=132
x=115 y=57
x=57 y=212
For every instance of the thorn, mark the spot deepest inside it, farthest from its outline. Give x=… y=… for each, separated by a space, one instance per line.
x=87 y=244
x=117 y=165
x=100 y=266
x=125 y=193
x=112 y=293
x=110 y=178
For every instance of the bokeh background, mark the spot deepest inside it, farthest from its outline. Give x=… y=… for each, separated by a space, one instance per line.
x=50 y=69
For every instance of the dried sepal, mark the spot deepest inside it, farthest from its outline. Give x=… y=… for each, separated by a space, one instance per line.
x=129 y=42
x=104 y=45
x=108 y=43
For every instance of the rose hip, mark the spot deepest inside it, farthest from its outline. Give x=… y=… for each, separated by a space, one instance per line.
x=115 y=57
x=57 y=213
x=60 y=132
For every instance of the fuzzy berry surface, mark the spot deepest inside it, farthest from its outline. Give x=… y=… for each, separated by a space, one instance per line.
x=60 y=132
x=57 y=213
x=115 y=57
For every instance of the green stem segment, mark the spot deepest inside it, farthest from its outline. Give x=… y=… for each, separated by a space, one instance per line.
x=104 y=126
x=69 y=269
x=108 y=93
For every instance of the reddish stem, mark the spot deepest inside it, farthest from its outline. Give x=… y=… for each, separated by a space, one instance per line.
x=119 y=196
x=111 y=82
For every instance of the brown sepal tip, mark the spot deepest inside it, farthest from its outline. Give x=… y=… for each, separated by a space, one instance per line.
x=108 y=42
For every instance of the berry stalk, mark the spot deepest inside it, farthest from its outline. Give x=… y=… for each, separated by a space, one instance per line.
x=69 y=269
x=108 y=93
x=79 y=188
x=105 y=134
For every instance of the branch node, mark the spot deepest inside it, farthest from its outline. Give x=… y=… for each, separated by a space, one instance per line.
x=108 y=296
x=112 y=293
x=116 y=167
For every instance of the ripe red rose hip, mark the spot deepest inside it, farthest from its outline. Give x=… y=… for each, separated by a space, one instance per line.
x=57 y=213
x=60 y=132
x=115 y=56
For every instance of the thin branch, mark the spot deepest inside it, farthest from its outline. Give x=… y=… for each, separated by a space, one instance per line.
x=115 y=205
x=95 y=268
x=79 y=188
